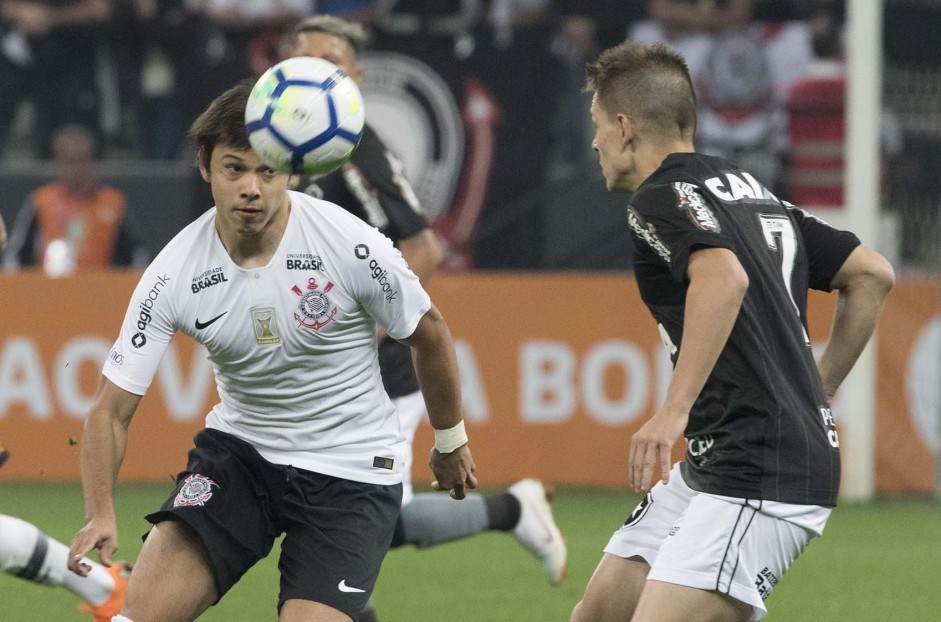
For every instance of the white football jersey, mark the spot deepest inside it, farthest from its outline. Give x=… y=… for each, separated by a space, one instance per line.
x=292 y=344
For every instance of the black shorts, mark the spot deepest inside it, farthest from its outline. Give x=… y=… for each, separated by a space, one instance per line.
x=337 y=531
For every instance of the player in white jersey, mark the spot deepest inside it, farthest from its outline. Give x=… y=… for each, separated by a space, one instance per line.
x=285 y=292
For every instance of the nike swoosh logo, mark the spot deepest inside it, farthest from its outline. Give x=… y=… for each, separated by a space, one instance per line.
x=202 y=325
x=343 y=587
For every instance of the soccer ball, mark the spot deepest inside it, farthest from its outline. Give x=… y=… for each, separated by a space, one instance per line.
x=304 y=116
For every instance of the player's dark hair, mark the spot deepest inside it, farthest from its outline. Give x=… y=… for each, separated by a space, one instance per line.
x=648 y=82
x=222 y=123
x=354 y=32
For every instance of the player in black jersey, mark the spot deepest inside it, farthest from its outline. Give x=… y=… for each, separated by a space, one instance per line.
x=373 y=186
x=724 y=267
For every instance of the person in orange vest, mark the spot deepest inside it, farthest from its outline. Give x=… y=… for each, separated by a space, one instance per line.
x=76 y=222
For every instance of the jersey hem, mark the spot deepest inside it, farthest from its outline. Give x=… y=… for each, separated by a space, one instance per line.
x=123 y=383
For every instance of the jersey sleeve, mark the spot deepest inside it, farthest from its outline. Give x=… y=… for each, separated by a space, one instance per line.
x=671 y=220
x=148 y=326
x=385 y=286
x=827 y=247
x=376 y=177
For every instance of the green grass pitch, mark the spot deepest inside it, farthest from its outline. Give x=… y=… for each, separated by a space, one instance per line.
x=876 y=562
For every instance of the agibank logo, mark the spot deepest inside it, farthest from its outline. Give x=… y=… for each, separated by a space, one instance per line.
x=381 y=276
x=145 y=311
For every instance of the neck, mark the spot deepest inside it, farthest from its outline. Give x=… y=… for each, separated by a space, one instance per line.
x=652 y=155
x=81 y=187
x=255 y=250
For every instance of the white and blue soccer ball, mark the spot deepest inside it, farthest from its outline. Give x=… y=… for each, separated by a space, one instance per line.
x=304 y=116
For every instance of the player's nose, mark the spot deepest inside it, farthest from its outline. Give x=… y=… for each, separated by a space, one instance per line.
x=252 y=188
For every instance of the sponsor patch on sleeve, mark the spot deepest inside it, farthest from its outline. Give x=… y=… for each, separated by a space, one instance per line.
x=647 y=232
x=690 y=200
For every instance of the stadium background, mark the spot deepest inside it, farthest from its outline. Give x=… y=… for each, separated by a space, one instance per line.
x=560 y=361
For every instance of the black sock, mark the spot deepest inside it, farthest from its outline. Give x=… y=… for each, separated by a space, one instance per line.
x=503 y=511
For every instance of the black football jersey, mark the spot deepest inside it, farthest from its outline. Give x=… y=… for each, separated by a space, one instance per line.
x=373 y=187
x=761 y=428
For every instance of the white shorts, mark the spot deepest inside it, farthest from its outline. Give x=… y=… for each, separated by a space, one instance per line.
x=411 y=410
x=735 y=546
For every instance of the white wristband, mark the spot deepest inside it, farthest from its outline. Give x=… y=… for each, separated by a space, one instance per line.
x=448 y=440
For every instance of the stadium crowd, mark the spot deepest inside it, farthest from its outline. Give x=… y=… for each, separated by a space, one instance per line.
x=135 y=73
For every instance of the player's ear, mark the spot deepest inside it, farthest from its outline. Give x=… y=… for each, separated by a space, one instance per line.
x=627 y=128
x=201 y=162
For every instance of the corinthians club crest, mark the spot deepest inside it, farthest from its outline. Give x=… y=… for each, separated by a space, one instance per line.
x=314 y=309
x=196 y=490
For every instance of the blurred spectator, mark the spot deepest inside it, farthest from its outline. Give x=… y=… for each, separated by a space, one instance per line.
x=610 y=18
x=711 y=16
x=363 y=11
x=76 y=222
x=575 y=44
x=48 y=51
x=817 y=120
x=244 y=37
x=160 y=49
x=742 y=70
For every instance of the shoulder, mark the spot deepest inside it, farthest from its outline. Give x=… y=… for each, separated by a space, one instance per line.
x=333 y=225
x=47 y=193
x=655 y=194
x=371 y=151
x=328 y=218
x=192 y=240
x=107 y=194
x=371 y=139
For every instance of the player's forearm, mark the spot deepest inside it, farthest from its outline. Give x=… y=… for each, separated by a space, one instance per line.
x=104 y=442
x=713 y=301
x=437 y=372
x=857 y=311
x=863 y=282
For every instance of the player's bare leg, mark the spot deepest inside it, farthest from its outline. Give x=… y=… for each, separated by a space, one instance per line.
x=668 y=602
x=613 y=590
x=297 y=610
x=172 y=580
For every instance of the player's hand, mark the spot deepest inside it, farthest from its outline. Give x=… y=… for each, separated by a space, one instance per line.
x=98 y=533
x=453 y=471
x=653 y=444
